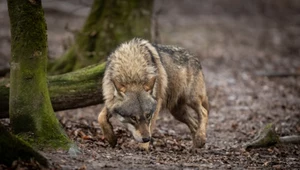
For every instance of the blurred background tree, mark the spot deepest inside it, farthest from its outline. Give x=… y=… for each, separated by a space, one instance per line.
x=110 y=23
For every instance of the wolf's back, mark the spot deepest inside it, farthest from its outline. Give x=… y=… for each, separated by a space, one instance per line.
x=179 y=56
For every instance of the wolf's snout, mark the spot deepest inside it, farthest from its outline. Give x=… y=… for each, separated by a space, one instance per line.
x=147 y=139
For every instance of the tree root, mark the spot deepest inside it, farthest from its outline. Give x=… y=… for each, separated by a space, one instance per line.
x=13 y=148
x=268 y=137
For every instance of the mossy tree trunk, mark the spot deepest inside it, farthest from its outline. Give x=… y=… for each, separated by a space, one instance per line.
x=109 y=23
x=31 y=113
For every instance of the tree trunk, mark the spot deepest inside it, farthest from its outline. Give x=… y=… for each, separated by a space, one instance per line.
x=31 y=113
x=67 y=91
x=109 y=23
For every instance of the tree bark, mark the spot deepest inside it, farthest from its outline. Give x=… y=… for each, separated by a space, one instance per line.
x=31 y=113
x=67 y=91
x=109 y=23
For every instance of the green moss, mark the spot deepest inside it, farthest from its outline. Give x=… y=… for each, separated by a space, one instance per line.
x=271 y=137
x=43 y=141
x=266 y=137
x=87 y=73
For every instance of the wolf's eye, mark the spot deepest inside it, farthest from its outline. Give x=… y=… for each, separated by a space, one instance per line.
x=133 y=118
x=148 y=115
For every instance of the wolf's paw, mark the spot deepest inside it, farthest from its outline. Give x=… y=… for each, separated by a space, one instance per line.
x=112 y=140
x=144 y=146
x=199 y=141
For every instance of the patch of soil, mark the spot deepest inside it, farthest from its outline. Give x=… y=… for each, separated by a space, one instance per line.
x=236 y=45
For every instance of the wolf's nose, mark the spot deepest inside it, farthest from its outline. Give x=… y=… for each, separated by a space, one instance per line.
x=147 y=139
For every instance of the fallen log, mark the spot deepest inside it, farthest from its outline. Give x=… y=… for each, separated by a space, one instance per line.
x=72 y=90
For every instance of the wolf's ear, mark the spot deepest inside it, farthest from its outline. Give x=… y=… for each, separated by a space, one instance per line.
x=149 y=84
x=119 y=86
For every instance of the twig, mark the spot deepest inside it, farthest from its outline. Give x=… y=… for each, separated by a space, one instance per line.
x=290 y=139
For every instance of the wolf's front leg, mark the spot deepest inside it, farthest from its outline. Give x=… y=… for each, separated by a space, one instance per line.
x=107 y=128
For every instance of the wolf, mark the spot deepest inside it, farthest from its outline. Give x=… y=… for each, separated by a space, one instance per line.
x=141 y=79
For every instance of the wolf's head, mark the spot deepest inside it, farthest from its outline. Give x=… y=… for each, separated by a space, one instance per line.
x=131 y=85
x=134 y=106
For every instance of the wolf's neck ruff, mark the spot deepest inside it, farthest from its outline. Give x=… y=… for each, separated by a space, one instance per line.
x=137 y=62
x=131 y=63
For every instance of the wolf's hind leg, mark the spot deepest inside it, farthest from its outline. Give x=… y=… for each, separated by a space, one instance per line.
x=106 y=127
x=202 y=113
x=183 y=113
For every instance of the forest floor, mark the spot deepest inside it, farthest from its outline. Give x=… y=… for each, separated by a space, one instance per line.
x=243 y=55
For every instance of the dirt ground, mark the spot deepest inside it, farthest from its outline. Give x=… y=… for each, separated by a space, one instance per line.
x=251 y=62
